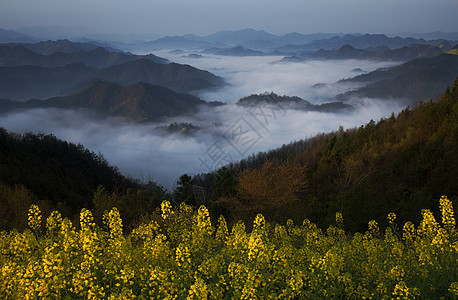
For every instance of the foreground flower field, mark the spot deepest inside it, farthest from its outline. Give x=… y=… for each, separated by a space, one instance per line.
x=181 y=255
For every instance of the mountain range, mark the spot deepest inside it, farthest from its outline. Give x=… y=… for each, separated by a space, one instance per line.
x=380 y=53
x=293 y=43
x=58 y=70
x=234 y=51
x=98 y=57
x=248 y=38
x=258 y=40
x=128 y=83
x=360 y=42
x=137 y=102
x=62 y=45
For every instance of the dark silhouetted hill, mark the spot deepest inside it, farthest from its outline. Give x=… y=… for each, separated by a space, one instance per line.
x=416 y=80
x=285 y=102
x=136 y=102
x=58 y=175
x=55 y=170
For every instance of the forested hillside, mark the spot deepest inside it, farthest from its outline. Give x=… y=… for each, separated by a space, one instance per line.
x=42 y=169
x=401 y=164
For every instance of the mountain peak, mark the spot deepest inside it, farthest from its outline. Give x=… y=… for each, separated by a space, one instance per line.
x=136 y=102
x=347 y=47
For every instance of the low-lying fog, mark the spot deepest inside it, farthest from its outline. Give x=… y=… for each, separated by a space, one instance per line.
x=258 y=74
x=227 y=132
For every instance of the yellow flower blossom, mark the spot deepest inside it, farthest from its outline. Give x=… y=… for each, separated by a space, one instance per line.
x=166 y=209
x=179 y=256
x=34 y=219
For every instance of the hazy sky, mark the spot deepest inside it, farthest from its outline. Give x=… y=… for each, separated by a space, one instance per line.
x=167 y=17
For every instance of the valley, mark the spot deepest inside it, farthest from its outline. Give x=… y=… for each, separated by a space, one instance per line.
x=120 y=94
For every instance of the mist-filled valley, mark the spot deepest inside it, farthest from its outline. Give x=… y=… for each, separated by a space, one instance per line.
x=143 y=151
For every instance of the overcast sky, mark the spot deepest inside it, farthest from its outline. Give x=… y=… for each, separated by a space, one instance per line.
x=169 y=17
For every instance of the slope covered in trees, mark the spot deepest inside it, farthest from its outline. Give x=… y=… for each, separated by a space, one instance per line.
x=37 y=168
x=398 y=164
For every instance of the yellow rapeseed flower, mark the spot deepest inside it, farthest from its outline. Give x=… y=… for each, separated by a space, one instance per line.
x=34 y=219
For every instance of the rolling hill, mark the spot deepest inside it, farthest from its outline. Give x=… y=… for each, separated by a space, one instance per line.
x=417 y=80
x=297 y=103
x=137 y=102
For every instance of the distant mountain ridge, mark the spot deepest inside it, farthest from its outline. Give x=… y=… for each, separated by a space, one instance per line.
x=359 y=42
x=293 y=43
x=11 y=36
x=137 y=102
x=260 y=40
x=349 y=52
x=98 y=57
x=419 y=79
x=64 y=46
x=235 y=51
x=26 y=82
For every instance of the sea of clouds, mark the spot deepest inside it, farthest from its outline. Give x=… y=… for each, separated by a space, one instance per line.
x=229 y=132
